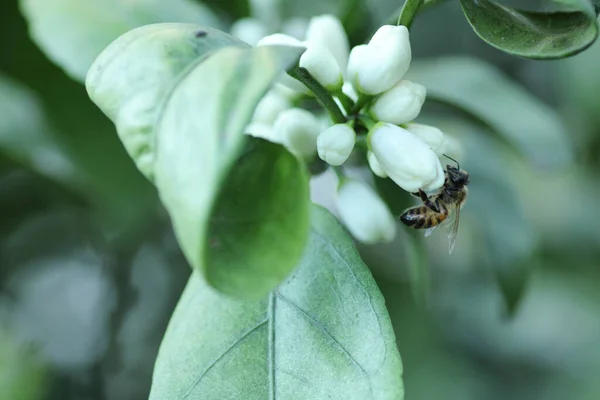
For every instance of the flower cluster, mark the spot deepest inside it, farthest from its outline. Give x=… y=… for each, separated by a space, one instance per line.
x=379 y=107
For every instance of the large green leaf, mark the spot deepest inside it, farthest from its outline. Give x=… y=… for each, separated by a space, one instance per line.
x=537 y=35
x=131 y=78
x=486 y=95
x=73 y=32
x=199 y=138
x=323 y=334
x=181 y=97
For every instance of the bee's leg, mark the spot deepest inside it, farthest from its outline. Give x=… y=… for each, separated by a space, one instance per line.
x=433 y=205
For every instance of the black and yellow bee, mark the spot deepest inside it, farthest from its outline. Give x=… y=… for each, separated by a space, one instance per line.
x=443 y=208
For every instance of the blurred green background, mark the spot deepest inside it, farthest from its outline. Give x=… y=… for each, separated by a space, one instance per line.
x=90 y=270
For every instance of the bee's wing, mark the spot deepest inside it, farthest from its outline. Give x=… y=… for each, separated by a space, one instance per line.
x=454 y=219
x=429 y=231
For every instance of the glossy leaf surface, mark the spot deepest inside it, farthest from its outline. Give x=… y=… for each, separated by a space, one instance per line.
x=323 y=334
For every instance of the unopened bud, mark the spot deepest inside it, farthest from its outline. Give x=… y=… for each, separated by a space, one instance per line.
x=328 y=30
x=279 y=39
x=383 y=62
x=406 y=159
x=321 y=64
x=263 y=131
x=431 y=135
x=298 y=130
x=375 y=166
x=335 y=144
x=271 y=105
x=364 y=213
x=401 y=104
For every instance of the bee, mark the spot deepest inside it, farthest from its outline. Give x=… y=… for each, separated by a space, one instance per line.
x=443 y=208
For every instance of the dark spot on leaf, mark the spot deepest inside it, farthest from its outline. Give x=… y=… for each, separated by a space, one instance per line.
x=214 y=242
x=200 y=34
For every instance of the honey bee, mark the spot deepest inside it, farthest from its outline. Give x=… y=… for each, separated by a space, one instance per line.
x=443 y=208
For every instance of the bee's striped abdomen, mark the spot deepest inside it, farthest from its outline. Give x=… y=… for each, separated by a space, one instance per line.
x=422 y=217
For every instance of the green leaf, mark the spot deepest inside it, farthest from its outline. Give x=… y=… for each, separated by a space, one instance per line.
x=180 y=102
x=131 y=78
x=199 y=138
x=273 y=184
x=73 y=32
x=537 y=35
x=483 y=93
x=323 y=334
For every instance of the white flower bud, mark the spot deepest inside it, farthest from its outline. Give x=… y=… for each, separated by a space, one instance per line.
x=431 y=135
x=349 y=91
x=375 y=166
x=298 y=130
x=319 y=62
x=405 y=158
x=328 y=30
x=263 y=131
x=364 y=213
x=269 y=108
x=279 y=39
x=379 y=65
x=335 y=144
x=250 y=30
x=400 y=104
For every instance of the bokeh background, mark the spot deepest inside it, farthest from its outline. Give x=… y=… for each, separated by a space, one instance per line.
x=90 y=271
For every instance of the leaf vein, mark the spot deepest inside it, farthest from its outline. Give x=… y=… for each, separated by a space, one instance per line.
x=215 y=361
x=324 y=331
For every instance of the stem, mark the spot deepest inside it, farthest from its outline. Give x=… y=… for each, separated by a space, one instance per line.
x=323 y=96
x=409 y=12
x=363 y=99
x=361 y=142
x=346 y=101
x=427 y=5
x=340 y=173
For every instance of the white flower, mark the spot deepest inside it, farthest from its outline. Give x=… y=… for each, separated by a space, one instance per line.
x=365 y=215
x=379 y=65
x=335 y=144
x=321 y=64
x=271 y=105
x=298 y=130
x=375 y=166
x=279 y=39
x=263 y=131
x=405 y=158
x=250 y=30
x=328 y=30
x=401 y=104
x=431 y=135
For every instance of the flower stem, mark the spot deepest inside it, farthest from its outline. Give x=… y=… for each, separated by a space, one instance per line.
x=363 y=100
x=339 y=172
x=346 y=101
x=409 y=12
x=323 y=96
